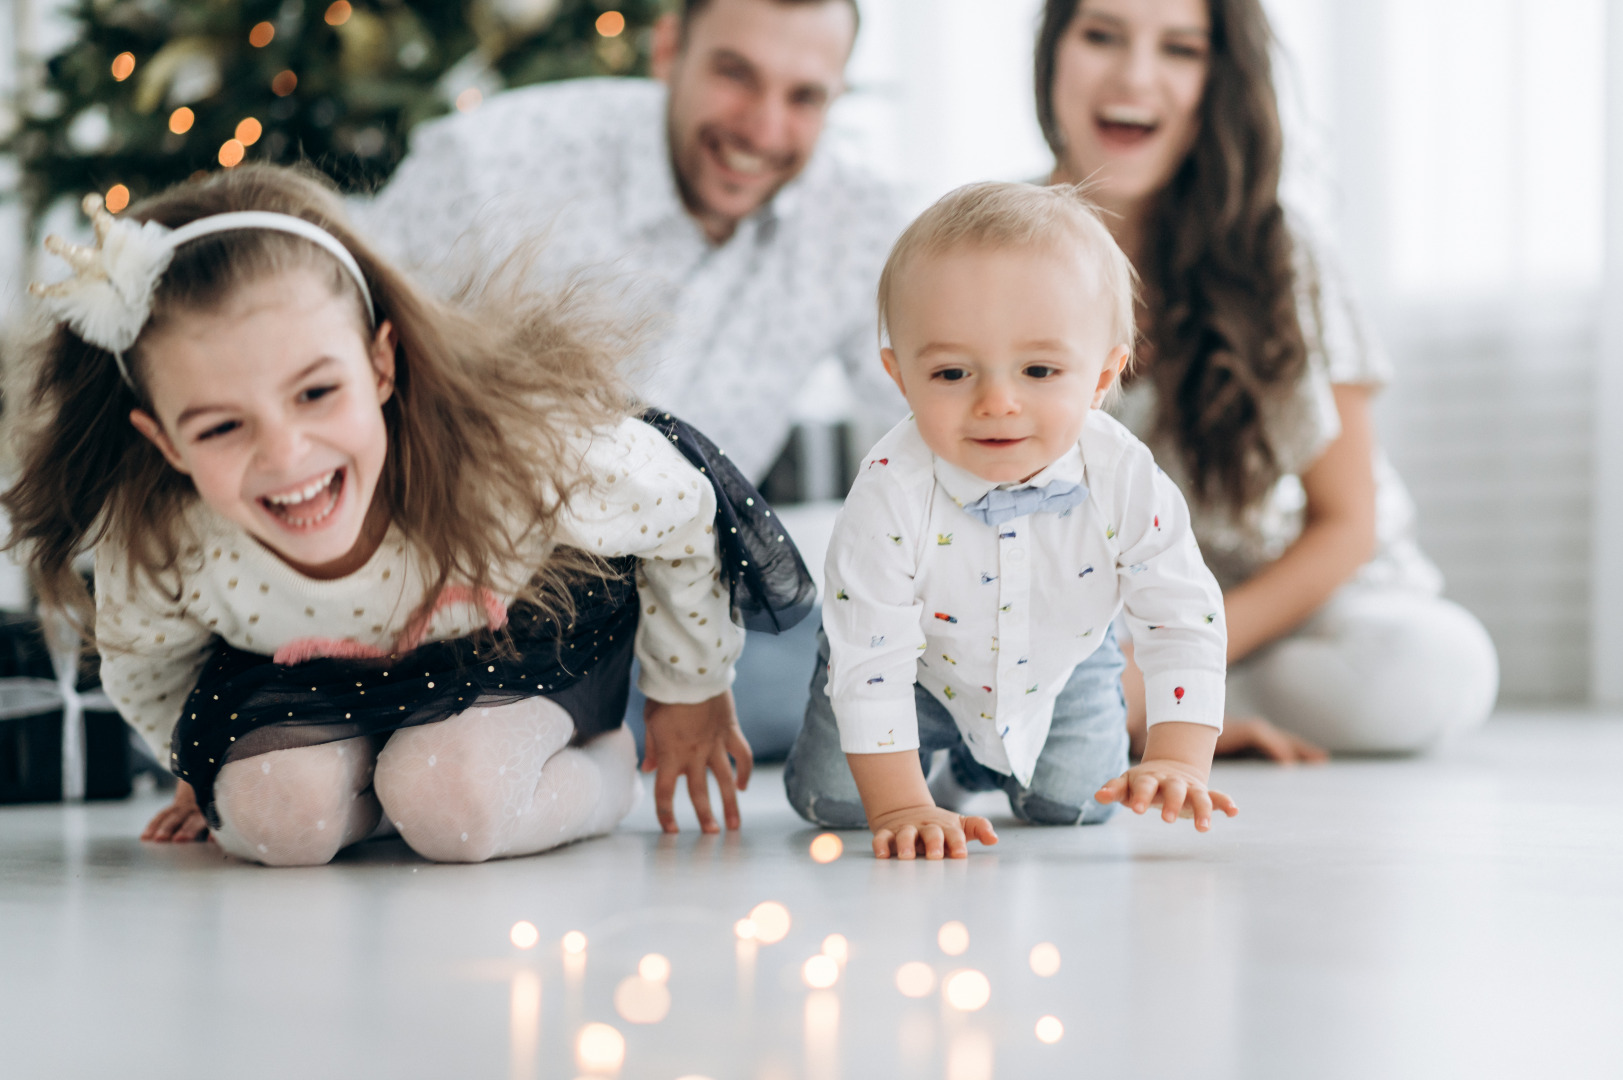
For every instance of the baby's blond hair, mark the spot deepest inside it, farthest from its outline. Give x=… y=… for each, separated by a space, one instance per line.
x=999 y=216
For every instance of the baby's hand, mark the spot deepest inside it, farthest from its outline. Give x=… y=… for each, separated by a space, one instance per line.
x=180 y=822
x=929 y=831
x=1177 y=788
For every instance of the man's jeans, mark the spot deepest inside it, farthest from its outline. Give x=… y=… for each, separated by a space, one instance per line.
x=1087 y=746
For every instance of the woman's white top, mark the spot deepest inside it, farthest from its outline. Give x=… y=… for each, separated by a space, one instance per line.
x=992 y=620
x=645 y=500
x=1342 y=350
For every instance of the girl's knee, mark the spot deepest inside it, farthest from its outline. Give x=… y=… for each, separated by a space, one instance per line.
x=293 y=807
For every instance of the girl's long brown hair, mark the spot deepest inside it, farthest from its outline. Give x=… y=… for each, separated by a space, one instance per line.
x=491 y=394
x=1224 y=340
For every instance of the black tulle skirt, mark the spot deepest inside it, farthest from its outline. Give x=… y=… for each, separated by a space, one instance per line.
x=244 y=703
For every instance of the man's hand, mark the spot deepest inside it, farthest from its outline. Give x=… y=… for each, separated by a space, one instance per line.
x=1177 y=788
x=929 y=831
x=1253 y=736
x=687 y=740
x=181 y=822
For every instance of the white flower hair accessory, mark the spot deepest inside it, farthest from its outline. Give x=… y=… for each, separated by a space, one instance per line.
x=108 y=299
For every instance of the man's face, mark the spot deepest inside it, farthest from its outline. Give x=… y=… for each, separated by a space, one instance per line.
x=750 y=88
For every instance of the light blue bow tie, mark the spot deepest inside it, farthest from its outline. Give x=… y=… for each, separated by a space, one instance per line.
x=1000 y=505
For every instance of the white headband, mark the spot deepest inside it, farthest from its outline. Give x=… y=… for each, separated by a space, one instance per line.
x=109 y=298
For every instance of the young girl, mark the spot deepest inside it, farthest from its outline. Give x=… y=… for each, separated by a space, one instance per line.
x=361 y=555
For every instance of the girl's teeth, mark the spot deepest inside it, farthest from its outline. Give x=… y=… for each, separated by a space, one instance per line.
x=304 y=494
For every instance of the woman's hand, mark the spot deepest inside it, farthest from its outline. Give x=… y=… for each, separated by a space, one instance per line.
x=1177 y=788
x=181 y=822
x=1258 y=736
x=929 y=831
x=687 y=740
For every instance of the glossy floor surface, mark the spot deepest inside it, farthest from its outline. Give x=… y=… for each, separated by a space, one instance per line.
x=1460 y=915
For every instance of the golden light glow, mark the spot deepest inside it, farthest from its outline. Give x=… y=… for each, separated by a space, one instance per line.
x=654 y=968
x=181 y=120
x=574 y=943
x=836 y=948
x=1050 y=1030
x=771 y=921
x=524 y=1022
x=826 y=848
x=953 y=938
x=915 y=979
x=600 y=1048
x=469 y=99
x=966 y=989
x=117 y=198
x=639 y=1001
x=611 y=24
x=123 y=66
x=970 y=1055
x=261 y=35
x=338 y=13
x=249 y=131
x=231 y=153
x=745 y=929
x=820 y=972
x=1045 y=959
x=524 y=934
x=284 y=83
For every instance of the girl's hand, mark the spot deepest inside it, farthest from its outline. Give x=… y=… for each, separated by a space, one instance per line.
x=1260 y=737
x=181 y=822
x=930 y=831
x=687 y=740
x=1179 y=789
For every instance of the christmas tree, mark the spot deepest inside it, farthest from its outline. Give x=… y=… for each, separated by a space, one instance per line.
x=151 y=92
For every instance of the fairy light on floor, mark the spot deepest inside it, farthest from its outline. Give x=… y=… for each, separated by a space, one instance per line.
x=574 y=943
x=524 y=1022
x=574 y=955
x=826 y=848
x=915 y=979
x=822 y=1020
x=820 y=972
x=641 y=1001
x=524 y=934
x=771 y=922
x=600 y=1048
x=970 y=1055
x=966 y=990
x=655 y=968
x=1045 y=959
x=953 y=938
x=1050 y=1030
x=836 y=948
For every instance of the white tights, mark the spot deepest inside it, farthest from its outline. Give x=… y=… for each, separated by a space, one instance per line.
x=485 y=784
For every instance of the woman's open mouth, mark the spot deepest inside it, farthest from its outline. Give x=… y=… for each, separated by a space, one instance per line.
x=1125 y=126
x=307 y=506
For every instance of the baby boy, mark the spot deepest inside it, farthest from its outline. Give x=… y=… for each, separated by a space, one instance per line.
x=989 y=542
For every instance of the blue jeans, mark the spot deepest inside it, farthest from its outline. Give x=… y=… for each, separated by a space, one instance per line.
x=1087 y=746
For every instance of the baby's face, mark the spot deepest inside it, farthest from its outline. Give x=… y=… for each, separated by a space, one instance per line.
x=1001 y=353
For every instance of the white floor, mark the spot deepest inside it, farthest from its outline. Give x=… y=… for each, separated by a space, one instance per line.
x=1460 y=915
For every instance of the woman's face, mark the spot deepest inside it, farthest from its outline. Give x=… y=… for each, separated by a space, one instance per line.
x=1128 y=79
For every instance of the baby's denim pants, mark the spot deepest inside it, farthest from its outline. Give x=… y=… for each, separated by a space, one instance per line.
x=1087 y=746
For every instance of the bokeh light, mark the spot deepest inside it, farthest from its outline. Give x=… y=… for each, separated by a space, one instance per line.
x=826 y=848
x=1050 y=1030
x=820 y=972
x=953 y=938
x=599 y=1048
x=524 y=934
x=745 y=929
x=338 y=13
x=231 y=153
x=966 y=989
x=181 y=120
x=284 y=83
x=771 y=921
x=915 y=979
x=640 y=1001
x=117 y=198
x=249 y=131
x=654 y=968
x=836 y=948
x=469 y=99
x=1045 y=959
x=261 y=35
x=123 y=66
x=611 y=24
x=574 y=943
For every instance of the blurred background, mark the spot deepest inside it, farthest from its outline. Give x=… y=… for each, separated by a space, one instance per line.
x=1455 y=153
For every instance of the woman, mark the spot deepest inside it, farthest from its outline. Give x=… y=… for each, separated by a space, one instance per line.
x=1254 y=386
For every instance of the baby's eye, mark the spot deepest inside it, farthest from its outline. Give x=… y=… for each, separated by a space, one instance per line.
x=1041 y=371
x=316 y=393
x=218 y=429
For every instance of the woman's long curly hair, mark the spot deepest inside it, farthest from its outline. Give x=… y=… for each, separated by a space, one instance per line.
x=491 y=394
x=1224 y=339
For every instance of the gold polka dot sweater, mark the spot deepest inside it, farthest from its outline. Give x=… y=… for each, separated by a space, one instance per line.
x=644 y=500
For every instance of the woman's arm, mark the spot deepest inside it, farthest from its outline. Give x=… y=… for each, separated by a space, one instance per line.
x=1338 y=536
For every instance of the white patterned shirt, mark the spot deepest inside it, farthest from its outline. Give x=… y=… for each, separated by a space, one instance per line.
x=992 y=620
x=585 y=168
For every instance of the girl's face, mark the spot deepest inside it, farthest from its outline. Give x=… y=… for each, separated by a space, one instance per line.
x=1128 y=81
x=273 y=406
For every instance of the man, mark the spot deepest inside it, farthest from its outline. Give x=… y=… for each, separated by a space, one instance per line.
x=703 y=192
